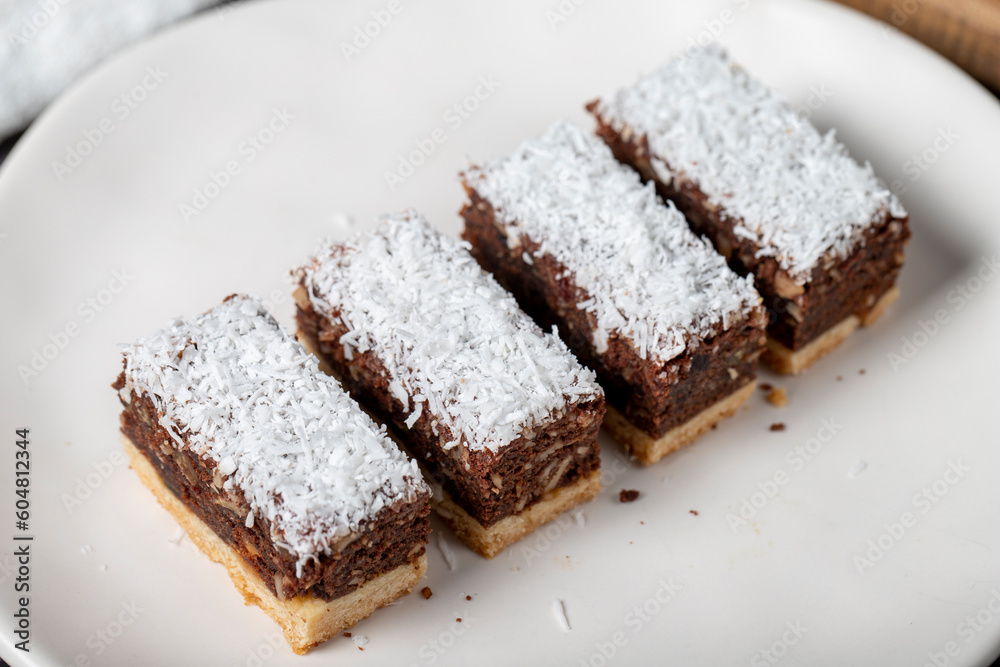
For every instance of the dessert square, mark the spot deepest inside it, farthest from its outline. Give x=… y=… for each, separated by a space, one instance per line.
x=672 y=332
x=502 y=417
x=823 y=237
x=273 y=470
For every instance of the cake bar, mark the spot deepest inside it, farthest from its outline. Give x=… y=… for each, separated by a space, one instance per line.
x=501 y=416
x=273 y=470
x=822 y=235
x=673 y=334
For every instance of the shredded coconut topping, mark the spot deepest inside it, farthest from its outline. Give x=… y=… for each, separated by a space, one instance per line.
x=446 y=552
x=559 y=611
x=794 y=192
x=649 y=279
x=453 y=341
x=233 y=387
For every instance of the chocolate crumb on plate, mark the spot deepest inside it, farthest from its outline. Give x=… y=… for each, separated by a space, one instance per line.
x=779 y=426
x=695 y=512
x=426 y=592
x=628 y=495
x=766 y=386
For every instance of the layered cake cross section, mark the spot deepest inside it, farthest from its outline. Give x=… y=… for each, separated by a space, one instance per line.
x=502 y=417
x=823 y=237
x=673 y=334
x=273 y=470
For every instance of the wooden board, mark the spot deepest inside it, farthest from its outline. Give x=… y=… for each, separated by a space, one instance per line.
x=965 y=31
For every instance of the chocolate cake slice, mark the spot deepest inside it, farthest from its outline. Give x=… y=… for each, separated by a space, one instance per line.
x=674 y=335
x=823 y=237
x=273 y=470
x=501 y=416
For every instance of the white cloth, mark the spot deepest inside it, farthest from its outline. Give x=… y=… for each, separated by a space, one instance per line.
x=46 y=44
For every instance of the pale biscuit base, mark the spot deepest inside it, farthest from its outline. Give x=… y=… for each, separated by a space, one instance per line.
x=782 y=360
x=490 y=541
x=305 y=620
x=880 y=306
x=792 y=362
x=649 y=450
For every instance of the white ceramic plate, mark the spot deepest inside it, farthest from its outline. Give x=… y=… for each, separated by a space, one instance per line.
x=106 y=254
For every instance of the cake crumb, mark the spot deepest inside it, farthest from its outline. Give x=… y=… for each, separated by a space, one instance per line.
x=458 y=620
x=360 y=641
x=778 y=397
x=778 y=426
x=695 y=512
x=342 y=220
x=628 y=495
x=764 y=386
x=347 y=634
x=468 y=597
x=446 y=552
x=426 y=592
x=559 y=609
